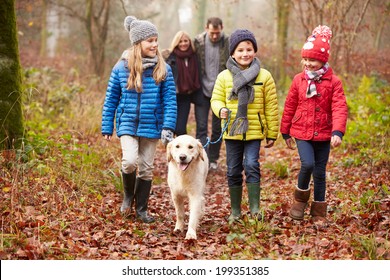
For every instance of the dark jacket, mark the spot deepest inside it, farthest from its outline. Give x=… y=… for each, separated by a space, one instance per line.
x=171 y=60
x=199 y=43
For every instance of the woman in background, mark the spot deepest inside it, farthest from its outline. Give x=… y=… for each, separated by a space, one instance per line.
x=184 y=64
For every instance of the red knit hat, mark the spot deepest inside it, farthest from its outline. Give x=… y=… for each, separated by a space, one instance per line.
x=317 y=46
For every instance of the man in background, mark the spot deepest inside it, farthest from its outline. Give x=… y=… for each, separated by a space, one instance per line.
x=212 y=49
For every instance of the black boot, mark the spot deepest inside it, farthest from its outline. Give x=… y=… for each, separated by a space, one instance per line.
x=128 y=190
x=142 y=192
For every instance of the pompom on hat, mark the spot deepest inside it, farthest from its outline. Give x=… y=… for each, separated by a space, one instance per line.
x=317 y=45
x=139 y=30
x=240 y=35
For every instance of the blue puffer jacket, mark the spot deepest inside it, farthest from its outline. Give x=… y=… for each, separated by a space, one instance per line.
x=142 y=114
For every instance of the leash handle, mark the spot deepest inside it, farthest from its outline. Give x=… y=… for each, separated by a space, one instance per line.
x=224 y=128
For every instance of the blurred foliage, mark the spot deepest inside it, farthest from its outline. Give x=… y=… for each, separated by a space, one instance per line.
x=56 y=106
x=369 y=121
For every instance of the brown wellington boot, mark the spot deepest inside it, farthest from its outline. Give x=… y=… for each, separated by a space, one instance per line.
x=301 y=197
x=318 y=212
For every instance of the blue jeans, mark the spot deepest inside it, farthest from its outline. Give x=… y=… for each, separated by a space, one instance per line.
x=202 y=111
x=314 y=157
x=242 y=156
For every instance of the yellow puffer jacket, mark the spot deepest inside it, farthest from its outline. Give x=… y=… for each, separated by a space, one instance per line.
x=263 y=114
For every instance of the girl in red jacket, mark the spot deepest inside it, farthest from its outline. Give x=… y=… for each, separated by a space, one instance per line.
x=315 y=114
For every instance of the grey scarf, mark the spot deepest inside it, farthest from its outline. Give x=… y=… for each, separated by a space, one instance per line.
x=146 y=61
x=149 y=62
x=243 y=81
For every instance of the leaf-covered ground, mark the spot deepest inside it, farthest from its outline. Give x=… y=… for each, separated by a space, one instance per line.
x=56 y=207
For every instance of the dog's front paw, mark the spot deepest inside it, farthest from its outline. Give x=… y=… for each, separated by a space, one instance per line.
x=178 y=228
x=191 y=234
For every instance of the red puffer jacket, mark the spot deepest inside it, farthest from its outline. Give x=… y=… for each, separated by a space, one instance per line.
x=319 y=117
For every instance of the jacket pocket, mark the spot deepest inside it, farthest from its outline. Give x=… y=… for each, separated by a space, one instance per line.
x=329 y=120
x=157 y=121
x=297 y=117
x=327 y=123
x=120 y=114
x=261 y=123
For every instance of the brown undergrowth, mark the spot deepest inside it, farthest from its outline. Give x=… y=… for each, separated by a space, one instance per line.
x=60 y=211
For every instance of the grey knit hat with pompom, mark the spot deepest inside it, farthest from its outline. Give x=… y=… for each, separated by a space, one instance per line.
x=139 y=30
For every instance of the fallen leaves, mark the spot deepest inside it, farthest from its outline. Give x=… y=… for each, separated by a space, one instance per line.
x=50 y=217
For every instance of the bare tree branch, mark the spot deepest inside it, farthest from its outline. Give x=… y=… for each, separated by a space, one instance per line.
x=124 y=8
x=359 y=21
x=68 y=10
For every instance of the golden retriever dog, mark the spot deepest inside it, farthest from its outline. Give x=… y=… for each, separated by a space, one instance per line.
x=187 y=171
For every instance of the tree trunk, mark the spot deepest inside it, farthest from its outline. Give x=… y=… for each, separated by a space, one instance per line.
x=43 y=49
x=11 y=118
x=97 y=29
x=283 y=11
x=200 y=12
x=379 y=33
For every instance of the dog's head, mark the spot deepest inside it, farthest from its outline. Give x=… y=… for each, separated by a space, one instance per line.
x=183 y=150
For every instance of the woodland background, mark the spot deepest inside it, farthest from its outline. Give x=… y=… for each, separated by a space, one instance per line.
x=61 y=188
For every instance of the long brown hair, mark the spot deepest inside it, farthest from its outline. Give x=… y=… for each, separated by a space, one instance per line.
x=134 y=60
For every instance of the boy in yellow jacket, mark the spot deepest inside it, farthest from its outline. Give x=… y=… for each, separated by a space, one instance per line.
x=248 y=93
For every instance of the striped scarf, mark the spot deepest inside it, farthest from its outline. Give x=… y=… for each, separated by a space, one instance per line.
x=312 y=77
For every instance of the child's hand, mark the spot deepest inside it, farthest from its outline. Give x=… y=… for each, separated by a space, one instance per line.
x=107 y=137
x=290 y=143
x=335 y=141
x=270 y=143
x=166 y=136
x=224 y=113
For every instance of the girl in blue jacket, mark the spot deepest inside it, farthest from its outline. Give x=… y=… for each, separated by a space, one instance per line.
x=141 y=97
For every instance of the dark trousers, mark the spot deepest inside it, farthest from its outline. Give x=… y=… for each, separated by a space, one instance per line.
x=314 y=157
x=183 y=110
x=242 y=156
x=184 y=101
x=202 y=111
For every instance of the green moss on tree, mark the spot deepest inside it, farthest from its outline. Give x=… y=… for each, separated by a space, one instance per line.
x=11 y=117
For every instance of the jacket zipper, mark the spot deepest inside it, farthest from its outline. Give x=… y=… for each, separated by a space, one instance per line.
x=138 y=112
x=261 y=123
